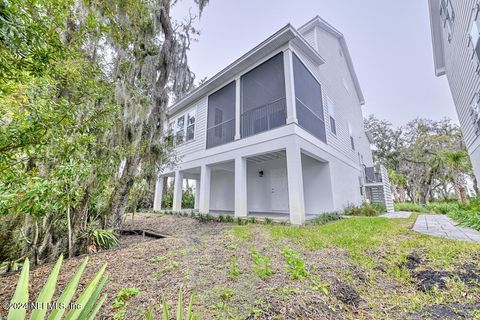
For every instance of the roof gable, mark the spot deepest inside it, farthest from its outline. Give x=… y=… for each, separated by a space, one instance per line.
x=319 y=22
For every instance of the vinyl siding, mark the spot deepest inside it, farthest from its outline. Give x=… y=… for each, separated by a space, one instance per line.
x=199 y=141
x=460 y=68
x=332 y=76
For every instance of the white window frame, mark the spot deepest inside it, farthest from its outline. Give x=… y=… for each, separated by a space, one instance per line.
x=173 y=130
x=475 y=113
x=331 y=115
x=474 y=25
x=447 y=14
x=350 y=134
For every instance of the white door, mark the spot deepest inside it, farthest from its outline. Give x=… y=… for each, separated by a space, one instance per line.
x=279 y=198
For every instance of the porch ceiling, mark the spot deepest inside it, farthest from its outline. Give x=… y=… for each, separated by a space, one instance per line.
x=267 y=157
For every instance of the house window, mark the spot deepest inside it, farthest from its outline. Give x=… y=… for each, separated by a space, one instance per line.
x=475 y=113
x=331 y=113
x=474 y=37
x=170 y=136
x=308 y=100
x=191 y=125
x=221 y=116
x=350 y=133
x=263 y=103
x=180 y=130
x=447 y=14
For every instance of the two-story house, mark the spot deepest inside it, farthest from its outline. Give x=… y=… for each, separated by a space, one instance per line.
x=455 y=28
x=278 y=131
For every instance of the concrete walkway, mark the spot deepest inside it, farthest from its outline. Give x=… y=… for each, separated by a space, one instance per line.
x=442 y=226
x=397 y=215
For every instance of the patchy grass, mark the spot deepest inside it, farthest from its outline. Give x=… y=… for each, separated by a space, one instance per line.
x=356 y=268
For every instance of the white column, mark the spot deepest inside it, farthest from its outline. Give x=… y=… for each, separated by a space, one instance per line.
x=204 y=203
x=157 y=201
x=289 y=86
x=197 y=194
x=177 y=191
x=296 y=200
x=237 y=109
x=241 y=187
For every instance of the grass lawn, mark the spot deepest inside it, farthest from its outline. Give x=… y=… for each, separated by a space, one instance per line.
x=356 y=268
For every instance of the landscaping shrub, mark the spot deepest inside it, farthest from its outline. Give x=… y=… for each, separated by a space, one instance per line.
x=441 y=207
x=366 y=209
x=326 y=218
x=409 y=206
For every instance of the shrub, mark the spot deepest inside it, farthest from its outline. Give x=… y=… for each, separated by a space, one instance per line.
x=409 y=206
x=252 y=220
x=88 y=299
x=221 y=218
x=326 y=218
x=296 y=266
x=229 y=218
x=268 y=221
x=441 y=207
x=366 y=209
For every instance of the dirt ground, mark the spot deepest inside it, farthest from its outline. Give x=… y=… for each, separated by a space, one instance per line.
x=200 y=258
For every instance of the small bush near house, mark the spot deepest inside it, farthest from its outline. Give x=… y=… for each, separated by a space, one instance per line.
x=366 y=209
x=409 y=206
x=326 y=218
x=441 y=207
x=468 y=215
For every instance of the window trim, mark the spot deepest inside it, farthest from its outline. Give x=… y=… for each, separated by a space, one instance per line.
x=332 y=116
x=350 y=133
x=172 y=130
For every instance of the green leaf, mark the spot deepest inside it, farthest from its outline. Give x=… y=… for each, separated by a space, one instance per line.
x=165 y=308
x=21 y=294
x=97 y=307
x=85 y=295
x=189 y=311
x=91 y=301
x=47 y=292
x=180 y=305
x=68 y=293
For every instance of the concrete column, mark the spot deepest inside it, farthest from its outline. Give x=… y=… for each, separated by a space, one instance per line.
x=241 y=187
x=197 y=194
x=204 y=203
x=237 y=109
x=289 y=86
x=177 y=191
x=296 y=200
x=157 y=201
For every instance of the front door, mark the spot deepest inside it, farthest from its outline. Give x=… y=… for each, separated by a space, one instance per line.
x=278 y=179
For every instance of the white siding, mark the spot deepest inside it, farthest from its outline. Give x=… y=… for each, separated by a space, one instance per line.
x=460 y=69
x=332 y=76
x=199 y=141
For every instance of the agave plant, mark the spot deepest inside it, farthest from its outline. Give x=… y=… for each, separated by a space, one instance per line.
x=87 y=302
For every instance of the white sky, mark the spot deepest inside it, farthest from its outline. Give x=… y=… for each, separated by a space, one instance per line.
x=389 y=42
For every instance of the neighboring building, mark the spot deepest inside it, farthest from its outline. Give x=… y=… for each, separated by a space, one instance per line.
x=278 y=132
x=456 y=45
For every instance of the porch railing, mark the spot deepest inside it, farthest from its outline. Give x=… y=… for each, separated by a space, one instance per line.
x=373 y=175
x=221 y=133
x=263 y=118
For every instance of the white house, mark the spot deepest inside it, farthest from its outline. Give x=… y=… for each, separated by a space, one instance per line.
x=278 y=132
x=455 y=28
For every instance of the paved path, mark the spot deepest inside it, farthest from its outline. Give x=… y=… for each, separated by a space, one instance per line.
x=397 y=215
x=442 y=226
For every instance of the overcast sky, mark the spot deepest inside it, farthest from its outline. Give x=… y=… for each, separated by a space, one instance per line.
x=389 y=42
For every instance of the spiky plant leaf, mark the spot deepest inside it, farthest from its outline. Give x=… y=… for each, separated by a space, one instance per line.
x=47 y=292
x=97 y=307
x=190 y=307
x=85 y=295
x=93 y=298
x=165 y=309
x=180 y=305
x=21 y=294
x=68 y=293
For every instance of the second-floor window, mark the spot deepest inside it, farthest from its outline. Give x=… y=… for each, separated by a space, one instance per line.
x=474 y=36
x=182 y=128
x=331 y=113
x=350 y=133
x=447 y=14
x=475 y=113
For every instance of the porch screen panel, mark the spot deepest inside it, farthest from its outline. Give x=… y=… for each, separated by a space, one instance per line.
x=221 y=116
x=308 y=100
x=263 y=97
